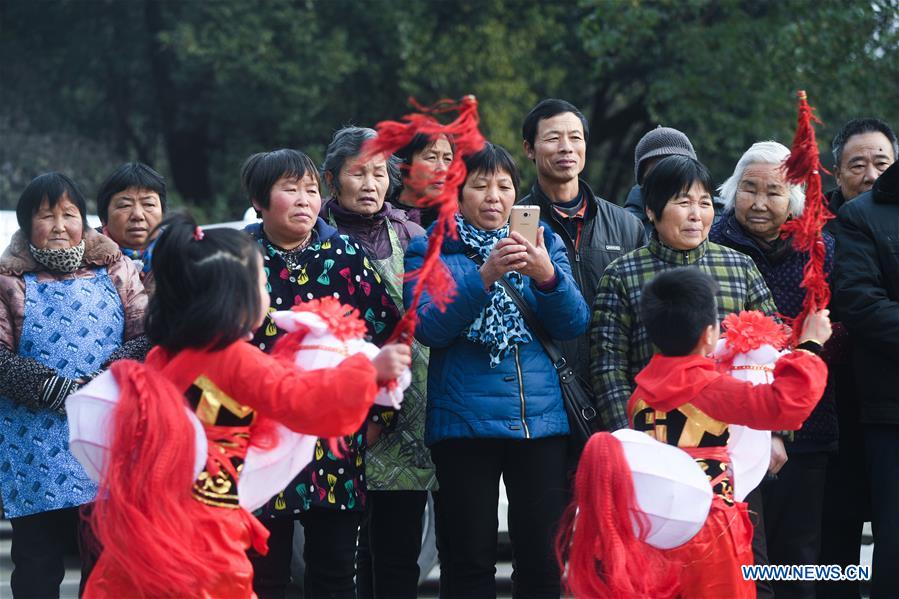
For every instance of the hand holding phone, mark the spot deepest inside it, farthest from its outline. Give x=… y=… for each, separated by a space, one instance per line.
x=524 y=221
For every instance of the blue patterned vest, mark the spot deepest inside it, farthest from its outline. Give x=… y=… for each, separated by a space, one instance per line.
x=72 y=326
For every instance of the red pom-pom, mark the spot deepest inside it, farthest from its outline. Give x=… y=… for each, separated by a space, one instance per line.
x=343 y=321
x=750 y=330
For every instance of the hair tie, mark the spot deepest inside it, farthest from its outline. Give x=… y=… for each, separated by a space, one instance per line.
x=198 y=233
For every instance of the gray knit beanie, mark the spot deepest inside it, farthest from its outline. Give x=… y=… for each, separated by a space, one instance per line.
x=661 y=141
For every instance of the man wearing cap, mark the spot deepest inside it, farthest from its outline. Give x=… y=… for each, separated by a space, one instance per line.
x=658 y=143
x=595 y=231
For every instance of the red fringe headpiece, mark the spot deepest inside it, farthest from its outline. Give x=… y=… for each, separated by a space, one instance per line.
x=599 y=552
x=393 y=135
x=146 y=522
x=803 y=168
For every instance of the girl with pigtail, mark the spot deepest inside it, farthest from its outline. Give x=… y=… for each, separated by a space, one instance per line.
x=165 y=531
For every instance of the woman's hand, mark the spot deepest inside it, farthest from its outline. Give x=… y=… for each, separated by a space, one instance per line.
x=391 y=361
x=538 y=265
x=778 y=455
x=816 y=327
x=507 y=255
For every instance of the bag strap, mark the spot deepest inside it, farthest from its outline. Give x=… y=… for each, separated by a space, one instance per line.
x=566 y=374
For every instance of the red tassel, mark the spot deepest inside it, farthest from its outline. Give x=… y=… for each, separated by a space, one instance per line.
x=393 y=135
x=803 y=168
x=598 y=550
x=148 y=524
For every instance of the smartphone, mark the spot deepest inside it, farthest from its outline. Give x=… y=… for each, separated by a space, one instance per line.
x=525 y=220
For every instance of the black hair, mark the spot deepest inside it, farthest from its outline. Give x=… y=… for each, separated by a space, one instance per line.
x=858 y=127
x=346 y=144
x=261 y=171
x=130 y=174
x=670 y=177
x=52 y=187
x=676 y=306
x=419 y=143
x=207 y=290
x=546 y=109
x=490 y=159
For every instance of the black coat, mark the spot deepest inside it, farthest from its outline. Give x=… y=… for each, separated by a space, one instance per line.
x=835 y=201
x=866 y=294
x=609 y=232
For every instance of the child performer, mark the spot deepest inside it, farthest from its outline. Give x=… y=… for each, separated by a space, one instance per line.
x=164 y=532
x=683 y=400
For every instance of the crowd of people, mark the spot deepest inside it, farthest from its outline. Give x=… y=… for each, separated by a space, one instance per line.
x=485 y=402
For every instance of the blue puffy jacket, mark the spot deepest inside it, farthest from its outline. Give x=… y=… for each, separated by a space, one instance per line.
x=518 y=399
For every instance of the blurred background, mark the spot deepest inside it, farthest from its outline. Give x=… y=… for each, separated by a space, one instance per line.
x=193 y=87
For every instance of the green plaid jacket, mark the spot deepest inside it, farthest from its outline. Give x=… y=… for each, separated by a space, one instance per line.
x=619 y=343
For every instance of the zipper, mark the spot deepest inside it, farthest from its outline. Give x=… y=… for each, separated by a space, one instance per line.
x=576 y=267
x=524 y=422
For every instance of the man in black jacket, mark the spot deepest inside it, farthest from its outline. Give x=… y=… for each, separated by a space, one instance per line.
x=594 y=230
x=862 y=150
x=866 y=298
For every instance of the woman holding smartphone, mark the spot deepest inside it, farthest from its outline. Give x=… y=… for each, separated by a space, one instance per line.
x=494 y=403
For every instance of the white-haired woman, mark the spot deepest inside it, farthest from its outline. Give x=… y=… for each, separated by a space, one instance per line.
x=758 y=201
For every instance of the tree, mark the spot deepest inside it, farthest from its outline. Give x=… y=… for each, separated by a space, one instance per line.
x=726 y=72
x=195 y=87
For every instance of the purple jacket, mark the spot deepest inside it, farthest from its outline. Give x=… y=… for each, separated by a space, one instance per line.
x=371 y=231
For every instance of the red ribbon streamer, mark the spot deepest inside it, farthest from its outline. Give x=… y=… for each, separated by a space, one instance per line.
x=803 y=167
x=393 y=135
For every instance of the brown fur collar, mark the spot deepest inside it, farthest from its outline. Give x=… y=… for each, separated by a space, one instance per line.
x=99 y=250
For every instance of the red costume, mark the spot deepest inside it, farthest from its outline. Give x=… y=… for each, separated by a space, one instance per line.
x=164 y=535
x=686 y=402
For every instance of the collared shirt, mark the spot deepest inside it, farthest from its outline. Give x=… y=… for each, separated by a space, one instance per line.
x=573 y=220
x=619 y=343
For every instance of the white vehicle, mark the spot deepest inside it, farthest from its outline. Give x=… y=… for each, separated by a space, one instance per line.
x=9 y=225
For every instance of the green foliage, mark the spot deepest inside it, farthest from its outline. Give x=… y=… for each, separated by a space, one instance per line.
x=195 y=87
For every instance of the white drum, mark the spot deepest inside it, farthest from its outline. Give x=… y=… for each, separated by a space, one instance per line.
x=670 y=487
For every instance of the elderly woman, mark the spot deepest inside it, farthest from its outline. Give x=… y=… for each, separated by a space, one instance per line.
x=131 y=203
x=424 y=162
x=398 y=466
x=758 y=201
x=69 y=304
x=678 y=196
x=306 y=258
x=494 y=403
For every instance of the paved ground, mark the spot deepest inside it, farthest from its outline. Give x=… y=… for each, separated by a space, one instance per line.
x=428 y=589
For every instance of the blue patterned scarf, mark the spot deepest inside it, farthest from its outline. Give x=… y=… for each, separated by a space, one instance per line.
x=144 y=256
x=500 y=325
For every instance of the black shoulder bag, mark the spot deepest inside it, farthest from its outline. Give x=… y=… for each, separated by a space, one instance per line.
x=582 y=416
